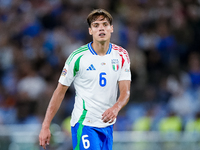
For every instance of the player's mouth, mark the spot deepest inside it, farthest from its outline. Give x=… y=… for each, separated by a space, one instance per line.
x=102 y=34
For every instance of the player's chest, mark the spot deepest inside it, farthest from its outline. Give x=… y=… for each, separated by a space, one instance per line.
x=95 y=66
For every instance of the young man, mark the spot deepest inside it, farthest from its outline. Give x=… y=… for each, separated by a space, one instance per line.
x=96 y=69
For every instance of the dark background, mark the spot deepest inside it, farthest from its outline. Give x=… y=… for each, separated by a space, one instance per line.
x=161 y=36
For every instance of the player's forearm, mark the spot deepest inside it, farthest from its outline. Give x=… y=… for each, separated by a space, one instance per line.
x=124 y=87
x=52 y=108
x=54 y=105
x=122 y=100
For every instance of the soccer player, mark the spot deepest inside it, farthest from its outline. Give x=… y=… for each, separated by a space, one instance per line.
x=97 y=69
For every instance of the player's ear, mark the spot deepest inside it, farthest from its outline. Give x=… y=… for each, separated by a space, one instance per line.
x=90 y=31
x=112 y=29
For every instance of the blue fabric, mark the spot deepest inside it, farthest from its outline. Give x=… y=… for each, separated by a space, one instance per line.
x=195 y=79
x=32 y=29
x=99 y=138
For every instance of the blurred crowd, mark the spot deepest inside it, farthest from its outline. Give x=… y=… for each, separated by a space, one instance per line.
x=161 y=36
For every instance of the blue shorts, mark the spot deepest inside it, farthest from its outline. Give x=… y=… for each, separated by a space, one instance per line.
x=92 y=138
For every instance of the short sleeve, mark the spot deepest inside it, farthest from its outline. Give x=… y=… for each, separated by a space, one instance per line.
x=67 y=76
x=125 y=70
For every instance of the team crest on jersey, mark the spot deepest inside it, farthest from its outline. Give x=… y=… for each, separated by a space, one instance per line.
x=115 y=64
x=64 y=72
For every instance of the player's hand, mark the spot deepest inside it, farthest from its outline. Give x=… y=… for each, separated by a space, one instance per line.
x=44 y=137
x=110 y=114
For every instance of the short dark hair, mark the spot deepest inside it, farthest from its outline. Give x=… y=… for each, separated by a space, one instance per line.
x=96 y=13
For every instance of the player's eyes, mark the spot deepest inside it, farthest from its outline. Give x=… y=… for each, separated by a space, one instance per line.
x=105 y=24
x=95 y=25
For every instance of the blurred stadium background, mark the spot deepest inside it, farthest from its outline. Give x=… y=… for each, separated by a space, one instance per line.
x=163 y=41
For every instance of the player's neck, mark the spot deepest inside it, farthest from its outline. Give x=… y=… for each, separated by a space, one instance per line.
x=101 y=48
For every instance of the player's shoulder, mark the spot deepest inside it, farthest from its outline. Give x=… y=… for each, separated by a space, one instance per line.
x=119 y=49
x=77 y=53
x=121 y=52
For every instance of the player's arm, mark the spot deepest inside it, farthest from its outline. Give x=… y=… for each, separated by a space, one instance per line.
x=110 y=114
x=57 y=97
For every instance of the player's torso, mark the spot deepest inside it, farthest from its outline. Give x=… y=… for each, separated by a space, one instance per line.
x=97 y=74
x=96 y=84
x=96 y=79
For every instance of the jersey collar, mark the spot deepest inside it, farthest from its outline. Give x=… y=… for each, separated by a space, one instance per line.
x=94 y=53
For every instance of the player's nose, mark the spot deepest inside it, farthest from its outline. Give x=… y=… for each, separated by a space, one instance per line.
x=101 y=28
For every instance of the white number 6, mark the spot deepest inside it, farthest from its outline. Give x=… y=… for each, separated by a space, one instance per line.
x=86 y=142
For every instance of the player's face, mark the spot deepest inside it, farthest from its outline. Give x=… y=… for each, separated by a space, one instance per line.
x=101 y=29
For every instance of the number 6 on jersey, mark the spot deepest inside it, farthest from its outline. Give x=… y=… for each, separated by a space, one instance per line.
x=102 y=79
